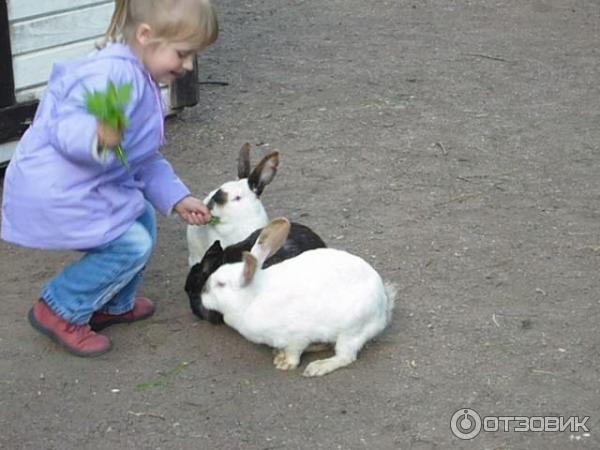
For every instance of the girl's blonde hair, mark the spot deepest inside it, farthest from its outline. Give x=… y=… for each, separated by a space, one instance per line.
x=193 y=21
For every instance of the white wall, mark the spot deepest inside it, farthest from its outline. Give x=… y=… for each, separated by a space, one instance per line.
x=43 y=32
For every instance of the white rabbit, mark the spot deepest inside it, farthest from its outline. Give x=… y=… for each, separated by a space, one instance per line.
x=236 y=206
x=300 y=239
x=320 y=296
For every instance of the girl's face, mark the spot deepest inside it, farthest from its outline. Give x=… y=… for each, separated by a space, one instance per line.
x=165 y=60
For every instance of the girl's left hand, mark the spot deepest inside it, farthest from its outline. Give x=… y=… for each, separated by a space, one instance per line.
x=193 y=211
x=107 y=136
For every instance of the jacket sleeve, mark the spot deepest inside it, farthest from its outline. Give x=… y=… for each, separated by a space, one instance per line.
x=72 y=129
x=162 y=187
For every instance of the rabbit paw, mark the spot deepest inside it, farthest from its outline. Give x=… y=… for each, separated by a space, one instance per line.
x=284 y=361
x=317 y=368
x=325 y=366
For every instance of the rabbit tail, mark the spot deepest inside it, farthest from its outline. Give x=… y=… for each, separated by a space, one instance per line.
x=391 y=292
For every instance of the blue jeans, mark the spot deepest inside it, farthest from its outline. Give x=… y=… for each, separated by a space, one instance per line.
x=107 y=277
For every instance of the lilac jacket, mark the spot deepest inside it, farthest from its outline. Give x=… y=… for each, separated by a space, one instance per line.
x=58 y=194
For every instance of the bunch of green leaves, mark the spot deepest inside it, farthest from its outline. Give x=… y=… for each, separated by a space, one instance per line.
x=109 y=108
x=214 y=220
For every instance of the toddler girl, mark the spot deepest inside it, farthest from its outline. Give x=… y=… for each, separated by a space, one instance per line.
x=65 y=189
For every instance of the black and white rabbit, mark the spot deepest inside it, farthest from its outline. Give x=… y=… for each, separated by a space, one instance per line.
x=320 y=296
x=299 y=239
x=236 y=206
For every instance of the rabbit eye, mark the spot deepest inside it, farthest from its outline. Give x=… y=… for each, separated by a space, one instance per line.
x=220 y=284
x=237 y=198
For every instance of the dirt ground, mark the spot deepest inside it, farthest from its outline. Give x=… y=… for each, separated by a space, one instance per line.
x=453 y=144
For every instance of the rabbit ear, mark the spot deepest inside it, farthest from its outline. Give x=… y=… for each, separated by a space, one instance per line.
x=250 y=267
x=244 y=161
x=271 y=239
x=264 y=172
x=214 y=252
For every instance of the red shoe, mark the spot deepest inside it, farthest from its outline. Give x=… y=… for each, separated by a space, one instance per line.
x=142 y=309
x=79 y=340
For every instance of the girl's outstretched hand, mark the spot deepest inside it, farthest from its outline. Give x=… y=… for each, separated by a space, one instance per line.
x=193 y=211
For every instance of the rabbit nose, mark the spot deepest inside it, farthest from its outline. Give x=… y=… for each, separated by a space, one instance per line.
x=219 y=197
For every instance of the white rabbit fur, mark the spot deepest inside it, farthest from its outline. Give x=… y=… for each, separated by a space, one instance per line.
x=237 y=206
x=320 y=296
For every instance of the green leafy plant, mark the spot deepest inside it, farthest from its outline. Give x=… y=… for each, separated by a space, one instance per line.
x=164 y=379
x=109 y=108
x=214 y=220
